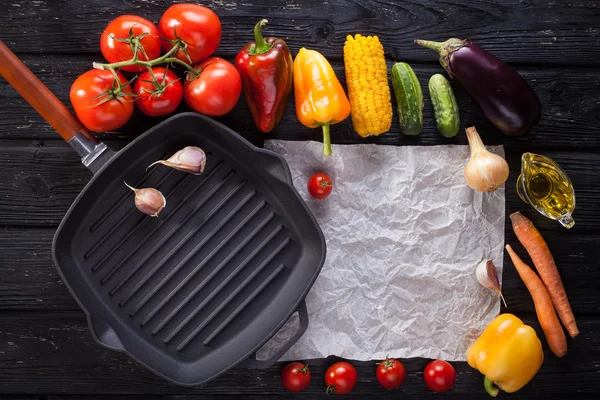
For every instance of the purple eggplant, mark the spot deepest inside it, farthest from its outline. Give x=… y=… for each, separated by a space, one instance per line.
x=503 y=95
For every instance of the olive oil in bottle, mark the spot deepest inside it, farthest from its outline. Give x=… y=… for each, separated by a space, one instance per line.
x=546 y=187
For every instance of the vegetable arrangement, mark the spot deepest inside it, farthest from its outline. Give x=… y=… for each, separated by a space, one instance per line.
x=103 y=98
x=341 y=377
x=503 y=95
x=508 y=352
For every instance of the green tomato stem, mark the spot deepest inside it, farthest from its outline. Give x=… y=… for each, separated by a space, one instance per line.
x=136 y=47
x=165 y=58
x=151 y=72
x=117 y=90
x=186 y=65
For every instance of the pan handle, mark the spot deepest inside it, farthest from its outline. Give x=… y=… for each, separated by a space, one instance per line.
x=104 y=334
x=264 y=364
x=48 y=106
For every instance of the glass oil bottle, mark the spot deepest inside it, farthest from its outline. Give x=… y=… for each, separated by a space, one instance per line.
x=546 y=187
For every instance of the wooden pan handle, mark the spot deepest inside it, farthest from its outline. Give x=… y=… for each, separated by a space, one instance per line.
x=38 y=95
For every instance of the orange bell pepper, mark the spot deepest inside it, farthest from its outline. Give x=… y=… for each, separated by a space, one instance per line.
x=320 y=98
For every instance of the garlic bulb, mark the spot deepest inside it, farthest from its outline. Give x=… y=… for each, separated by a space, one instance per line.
x=488 y=277
x=149 y=201
x=189 y=159
x=485 y=171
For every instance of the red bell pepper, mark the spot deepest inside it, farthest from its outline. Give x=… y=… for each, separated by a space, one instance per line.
x=265 y=66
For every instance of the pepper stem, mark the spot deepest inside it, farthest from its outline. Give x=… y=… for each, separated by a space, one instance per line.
x=261 y=45
x=489 y=387
x=326 y=140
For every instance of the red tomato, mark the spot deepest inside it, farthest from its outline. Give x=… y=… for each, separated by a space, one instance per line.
x=198 y=26
x=158 y=101
x=439 y=376
x=115 y=50
x=295 y=376
x=320 y=185
x=340 y=378
x=390 y=373
x=216 y=90
x=109 y=111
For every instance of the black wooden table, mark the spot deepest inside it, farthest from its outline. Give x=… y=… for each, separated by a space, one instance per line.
x=46 y=350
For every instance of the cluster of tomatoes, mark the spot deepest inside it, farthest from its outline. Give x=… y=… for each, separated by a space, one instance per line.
x=104 y=99
x=341 y=377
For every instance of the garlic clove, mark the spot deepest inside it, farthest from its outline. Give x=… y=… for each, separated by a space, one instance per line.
x=149 y=201
x=485 y=171
x=189 y=159
x=488 y=277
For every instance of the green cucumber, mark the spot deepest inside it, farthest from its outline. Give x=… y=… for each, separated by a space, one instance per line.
x=409 y=98
x=445 y=108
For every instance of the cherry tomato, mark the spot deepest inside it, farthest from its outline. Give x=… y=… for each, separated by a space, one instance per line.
x=216 y=90
x=198 y=26
x=158 y=101
x=439 y=376
x=390 y=373
x=295 y=376
x=116 y=50
x=98 y=102
x=320 y=185
x=340 y=378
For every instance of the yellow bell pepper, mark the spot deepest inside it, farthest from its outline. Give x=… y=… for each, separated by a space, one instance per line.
x=320 y=97
x=509 y=354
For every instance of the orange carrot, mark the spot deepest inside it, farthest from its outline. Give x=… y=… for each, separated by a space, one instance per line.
x=543 y=305
x=538 y=250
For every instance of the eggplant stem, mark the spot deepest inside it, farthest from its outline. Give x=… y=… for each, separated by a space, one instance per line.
x=437 y=46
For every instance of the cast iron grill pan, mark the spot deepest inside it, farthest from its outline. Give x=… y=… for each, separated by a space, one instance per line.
x=199 y=289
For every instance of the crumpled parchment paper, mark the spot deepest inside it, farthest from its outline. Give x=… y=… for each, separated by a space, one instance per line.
x=404 y=234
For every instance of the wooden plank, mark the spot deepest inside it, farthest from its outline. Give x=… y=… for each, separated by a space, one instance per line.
x=29 y=280
x=568 y=97
x=18 y=397
x=516 y=31
x=57 y=355
x=168 y=397
x=39 y=180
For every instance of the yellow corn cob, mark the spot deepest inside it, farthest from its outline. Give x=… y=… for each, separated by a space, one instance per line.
x=368 y=87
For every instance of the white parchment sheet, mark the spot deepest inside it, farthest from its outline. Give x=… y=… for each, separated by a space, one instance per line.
x=404 y=234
